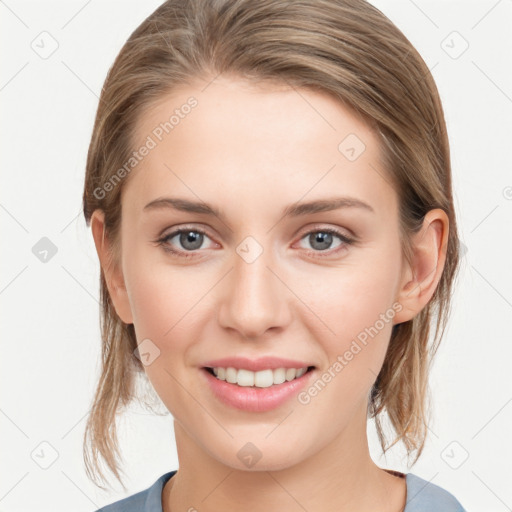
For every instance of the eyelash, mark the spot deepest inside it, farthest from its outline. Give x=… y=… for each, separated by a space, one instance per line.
x=191 y=254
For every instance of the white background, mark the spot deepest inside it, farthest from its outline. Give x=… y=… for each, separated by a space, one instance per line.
x=50 y=311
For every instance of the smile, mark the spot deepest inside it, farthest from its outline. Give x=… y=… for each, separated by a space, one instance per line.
x=259 y=379
x=259 y=391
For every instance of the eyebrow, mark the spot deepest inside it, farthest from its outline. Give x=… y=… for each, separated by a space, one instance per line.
x=293 y=210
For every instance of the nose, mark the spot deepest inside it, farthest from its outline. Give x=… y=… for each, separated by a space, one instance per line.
x=254 y=298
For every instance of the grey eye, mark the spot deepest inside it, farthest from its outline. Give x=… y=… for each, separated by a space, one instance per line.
x=190 y=240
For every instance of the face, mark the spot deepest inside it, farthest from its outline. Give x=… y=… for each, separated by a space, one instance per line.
x=262 y=276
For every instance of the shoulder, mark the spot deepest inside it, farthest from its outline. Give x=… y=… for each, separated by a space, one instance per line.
x=424 y=496
x=148 y=500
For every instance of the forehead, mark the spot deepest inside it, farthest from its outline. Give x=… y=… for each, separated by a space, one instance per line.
x=255 y=109
x=232 y=139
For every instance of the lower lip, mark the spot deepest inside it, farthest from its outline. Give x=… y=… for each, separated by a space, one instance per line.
x=255 y=399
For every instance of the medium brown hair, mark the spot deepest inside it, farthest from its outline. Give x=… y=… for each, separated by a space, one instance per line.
x=346 y=48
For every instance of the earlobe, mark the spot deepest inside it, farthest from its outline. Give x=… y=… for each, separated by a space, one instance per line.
x=111 y=269
x=420 y=280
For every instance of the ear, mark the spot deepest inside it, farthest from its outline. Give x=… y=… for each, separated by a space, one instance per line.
x=111 y=269
x=421 y=277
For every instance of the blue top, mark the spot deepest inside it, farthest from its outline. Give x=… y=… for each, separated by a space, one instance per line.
x=422 y=496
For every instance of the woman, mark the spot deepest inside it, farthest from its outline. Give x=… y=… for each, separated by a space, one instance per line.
x=269 y=190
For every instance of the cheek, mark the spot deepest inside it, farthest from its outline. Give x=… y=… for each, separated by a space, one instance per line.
x=356 y=308
x=162 y=299
x=362 y=322
x=165 y=303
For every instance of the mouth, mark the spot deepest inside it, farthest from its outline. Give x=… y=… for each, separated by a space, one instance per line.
x=256 y=391
x=260 y=379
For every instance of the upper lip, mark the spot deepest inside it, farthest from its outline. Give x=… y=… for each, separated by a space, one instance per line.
x=255 y=365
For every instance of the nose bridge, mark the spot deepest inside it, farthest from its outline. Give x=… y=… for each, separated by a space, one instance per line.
x=254 y=298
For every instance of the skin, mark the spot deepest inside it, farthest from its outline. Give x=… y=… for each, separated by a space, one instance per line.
x=239 y=145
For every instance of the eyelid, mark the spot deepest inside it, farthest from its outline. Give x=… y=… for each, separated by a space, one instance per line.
x=344 y=232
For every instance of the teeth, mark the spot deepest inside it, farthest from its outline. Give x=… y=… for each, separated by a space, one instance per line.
x=261 y=379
